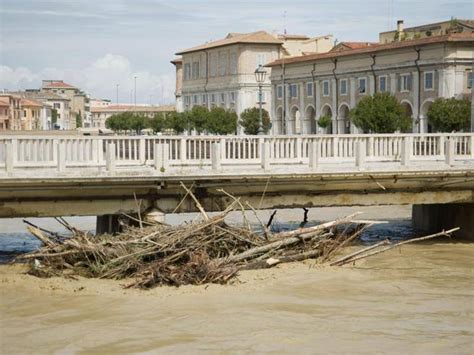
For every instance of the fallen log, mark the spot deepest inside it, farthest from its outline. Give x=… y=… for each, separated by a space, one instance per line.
x=440 y=234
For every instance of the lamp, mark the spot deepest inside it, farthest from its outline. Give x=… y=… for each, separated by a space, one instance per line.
x=260 y=74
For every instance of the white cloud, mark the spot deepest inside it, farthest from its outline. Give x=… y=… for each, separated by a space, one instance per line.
x=99 y=79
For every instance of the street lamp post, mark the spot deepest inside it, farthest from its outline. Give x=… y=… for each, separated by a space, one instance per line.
x=135 y=92
x=260 y=74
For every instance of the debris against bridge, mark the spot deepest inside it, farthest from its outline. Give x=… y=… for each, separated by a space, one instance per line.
x=205 y=251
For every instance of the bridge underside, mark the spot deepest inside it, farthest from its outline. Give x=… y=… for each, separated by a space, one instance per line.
x=115 y=195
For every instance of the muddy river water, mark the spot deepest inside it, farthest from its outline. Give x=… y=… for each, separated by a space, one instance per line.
x=419 y=299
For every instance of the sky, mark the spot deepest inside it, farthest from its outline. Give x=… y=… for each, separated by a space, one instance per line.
x=97 y=44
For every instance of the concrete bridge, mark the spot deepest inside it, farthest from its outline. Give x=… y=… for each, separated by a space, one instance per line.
x=61 y=176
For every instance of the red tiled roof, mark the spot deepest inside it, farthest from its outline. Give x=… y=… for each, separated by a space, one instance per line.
x=59 y=84
x=352 y=45
x=457 y=37
x=30 y=103
x=234 y=38
x=133 y=108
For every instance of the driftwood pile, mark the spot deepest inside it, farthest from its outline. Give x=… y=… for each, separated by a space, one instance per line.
x=205 y=251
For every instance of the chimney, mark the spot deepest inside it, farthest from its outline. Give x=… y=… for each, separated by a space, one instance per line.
x=399 y=29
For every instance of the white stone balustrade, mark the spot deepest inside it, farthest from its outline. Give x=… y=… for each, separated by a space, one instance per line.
x=218 y=153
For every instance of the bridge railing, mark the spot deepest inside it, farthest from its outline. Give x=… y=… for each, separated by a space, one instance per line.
x=182 y=151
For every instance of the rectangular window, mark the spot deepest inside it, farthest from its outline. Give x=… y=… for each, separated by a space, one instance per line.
x=222 y=98
x=343 y=87
x=56 y=105
x=293 y=90
x=195 y=70
x=24 y=113
x=326 y=88
x=362 y=86
x=187 y=71
x=204 y=99
x=232 y=97
x=233 y=63
x=279 y=91
x=404 y=82
x=382 y=83
x=429 y=80
x=195 y=99
x=187 y=100
x=261 y=60
x=309 y=89
x=470 y=79
x=222 y=63
x=262 y=99
x=213 y=64
x=213 y=98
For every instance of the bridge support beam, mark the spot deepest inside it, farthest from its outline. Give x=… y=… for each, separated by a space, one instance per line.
x=434 y=218
x=108 y=223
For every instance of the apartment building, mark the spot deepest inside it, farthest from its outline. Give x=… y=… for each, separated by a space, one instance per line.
x=31 y=114
x=221 y=73
x=55 y=113
x=79 y=103
x=416 y=71
x=10 y=112
x=101 y=113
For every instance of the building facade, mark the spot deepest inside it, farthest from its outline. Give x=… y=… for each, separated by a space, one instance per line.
x=78 y=102
x=10 y=112
x=100 y=114
x=221 y=73
x=415 y=71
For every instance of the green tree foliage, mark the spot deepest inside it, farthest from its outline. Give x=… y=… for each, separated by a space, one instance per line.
x=177 y=121
x=138 y=122
x=324 y=121
x=448 y=115
x=380 y=113
x=198 y=118
x=120 y=122
x=221 y=121
x=250 y=120
x=157 y=122
x=78 y=119
x=54 y=117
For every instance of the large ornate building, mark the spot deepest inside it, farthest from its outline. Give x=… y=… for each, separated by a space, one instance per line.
x=416 y=71
x=221 y=73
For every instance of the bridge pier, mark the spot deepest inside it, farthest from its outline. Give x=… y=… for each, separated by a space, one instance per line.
x=436 y=217
x=108 y=223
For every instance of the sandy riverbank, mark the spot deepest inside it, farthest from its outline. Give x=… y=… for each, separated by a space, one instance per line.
x=419 y=300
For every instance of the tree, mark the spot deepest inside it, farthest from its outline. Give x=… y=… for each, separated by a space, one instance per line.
x=54 y=118
x=198 y=118
x=157 y=122
x=448 y=115
x=324 y=121
x=120 y=122
x=250 y=120
x=78 y=119
x=380 y=113
x=138 y=122
x=177 y=121
x=221 y=121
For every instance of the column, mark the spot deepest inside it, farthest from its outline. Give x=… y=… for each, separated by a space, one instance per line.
x=393 y=83
x=371 y=85
x=352 y=92
x=317 y=92
x=415 y=93
x=333 y=93
x=302 y=108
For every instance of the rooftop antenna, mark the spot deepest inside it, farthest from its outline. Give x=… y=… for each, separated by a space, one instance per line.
x=284 y=23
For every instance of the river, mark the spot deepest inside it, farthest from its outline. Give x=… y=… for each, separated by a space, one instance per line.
x=419 y=299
